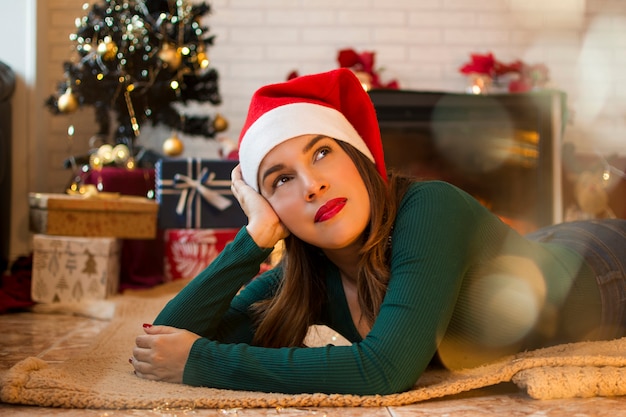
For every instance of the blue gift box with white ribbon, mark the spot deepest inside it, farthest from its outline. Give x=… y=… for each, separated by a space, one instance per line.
x=194 y=193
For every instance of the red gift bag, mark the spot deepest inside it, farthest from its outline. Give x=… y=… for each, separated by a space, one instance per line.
x=189 y=251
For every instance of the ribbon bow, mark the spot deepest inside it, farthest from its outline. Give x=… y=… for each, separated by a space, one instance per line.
x=190 y=187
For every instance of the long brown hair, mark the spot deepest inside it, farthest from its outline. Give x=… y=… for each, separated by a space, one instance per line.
x=284 y=319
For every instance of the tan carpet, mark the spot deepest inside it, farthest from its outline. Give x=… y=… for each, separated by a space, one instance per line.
x=102 y=377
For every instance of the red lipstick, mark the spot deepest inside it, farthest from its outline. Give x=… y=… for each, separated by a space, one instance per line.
x=328 y=210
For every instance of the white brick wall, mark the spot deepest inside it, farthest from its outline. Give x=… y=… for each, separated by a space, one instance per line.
x=421 y=43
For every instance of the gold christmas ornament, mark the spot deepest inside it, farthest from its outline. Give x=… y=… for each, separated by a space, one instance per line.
x=220 y=123
x=173 y=146
x=170 y=55
x=120 y=154
x=107 y=49
x=95 y=162
x=105 y=152
x=203 y=62
x=130 y=163
x=67 y=102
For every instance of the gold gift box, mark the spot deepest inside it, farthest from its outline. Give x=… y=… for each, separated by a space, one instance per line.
x=102 y=215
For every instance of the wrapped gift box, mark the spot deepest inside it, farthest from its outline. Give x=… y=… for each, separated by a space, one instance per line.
x=136 y=181
x=189 y=251
x=138 y=269
x=119 y=216
x=195 y=193
x=73 y=269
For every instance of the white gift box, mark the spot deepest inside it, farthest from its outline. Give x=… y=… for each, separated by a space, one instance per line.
x=73 y=269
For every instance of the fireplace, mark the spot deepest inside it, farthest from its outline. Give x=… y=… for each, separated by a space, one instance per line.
x=504 y=149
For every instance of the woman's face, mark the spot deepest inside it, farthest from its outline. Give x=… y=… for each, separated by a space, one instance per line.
x=316 y=190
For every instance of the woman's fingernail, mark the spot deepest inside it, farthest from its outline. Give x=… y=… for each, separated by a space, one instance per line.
x=130 y=360
x=147 y=325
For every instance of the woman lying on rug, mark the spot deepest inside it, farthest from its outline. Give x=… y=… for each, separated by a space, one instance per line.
x=406 y=270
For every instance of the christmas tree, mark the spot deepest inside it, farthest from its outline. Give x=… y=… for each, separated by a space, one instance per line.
x=141 y=61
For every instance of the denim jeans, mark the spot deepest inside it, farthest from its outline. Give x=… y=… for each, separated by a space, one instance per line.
x=602 y=243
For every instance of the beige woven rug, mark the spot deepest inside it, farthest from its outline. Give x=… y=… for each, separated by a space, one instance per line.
x=102 y=377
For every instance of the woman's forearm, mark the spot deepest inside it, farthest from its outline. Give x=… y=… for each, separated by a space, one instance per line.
x=201 y=304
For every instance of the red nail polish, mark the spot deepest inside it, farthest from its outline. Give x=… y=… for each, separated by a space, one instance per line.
x=130 y=361
x=147 y=325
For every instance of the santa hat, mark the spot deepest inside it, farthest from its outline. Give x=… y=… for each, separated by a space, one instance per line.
x=332 y=103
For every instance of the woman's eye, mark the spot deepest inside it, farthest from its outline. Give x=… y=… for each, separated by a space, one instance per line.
x=280 y=180
x=322 y=152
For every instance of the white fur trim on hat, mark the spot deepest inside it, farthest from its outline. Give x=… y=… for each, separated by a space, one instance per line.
x=289 y=121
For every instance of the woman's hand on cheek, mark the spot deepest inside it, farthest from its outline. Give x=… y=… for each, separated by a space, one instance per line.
x=161 y=353
x=264 y=226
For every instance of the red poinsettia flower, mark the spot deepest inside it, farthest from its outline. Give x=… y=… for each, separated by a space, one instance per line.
x=366 y=59
x=364 y=63
x=348 y=58
x=501 y=68
x=525 y=77
x=479 y=64
x=392 y=85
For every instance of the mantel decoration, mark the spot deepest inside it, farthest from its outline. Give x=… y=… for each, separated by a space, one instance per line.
x=362 y=64
x=485 y=72
x=141 y=61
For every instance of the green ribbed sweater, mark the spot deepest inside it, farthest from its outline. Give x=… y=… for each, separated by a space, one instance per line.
x=443 y=243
